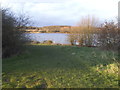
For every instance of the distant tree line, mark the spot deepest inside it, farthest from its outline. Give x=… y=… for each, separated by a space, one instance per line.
x=30 y=27
x=48 y=29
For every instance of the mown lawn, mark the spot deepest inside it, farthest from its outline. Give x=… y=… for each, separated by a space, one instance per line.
x=42 y=66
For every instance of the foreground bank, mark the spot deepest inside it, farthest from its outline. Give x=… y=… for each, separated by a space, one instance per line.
x=61 y=67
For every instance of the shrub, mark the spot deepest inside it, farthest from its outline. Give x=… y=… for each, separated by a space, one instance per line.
x=13 y=38
x=109 y=36
x=48 y=42
x=34 y=42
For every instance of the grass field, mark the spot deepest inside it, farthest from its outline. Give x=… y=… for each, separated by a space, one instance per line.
x=42 y=66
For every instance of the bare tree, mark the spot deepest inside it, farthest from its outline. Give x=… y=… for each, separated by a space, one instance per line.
x=13 y=38
x=83 y=34
x=88 y=26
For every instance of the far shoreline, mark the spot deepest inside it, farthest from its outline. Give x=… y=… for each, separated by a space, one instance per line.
x=48 y=32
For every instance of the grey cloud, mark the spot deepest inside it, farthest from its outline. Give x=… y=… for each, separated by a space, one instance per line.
x=60 y=12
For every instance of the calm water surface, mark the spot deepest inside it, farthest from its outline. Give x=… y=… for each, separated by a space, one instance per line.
x=61 y=38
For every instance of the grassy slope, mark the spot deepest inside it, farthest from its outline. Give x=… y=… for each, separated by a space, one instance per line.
x=60 y=66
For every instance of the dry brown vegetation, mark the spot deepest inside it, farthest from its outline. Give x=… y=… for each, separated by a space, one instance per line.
x=83 y=34
x=89 y=33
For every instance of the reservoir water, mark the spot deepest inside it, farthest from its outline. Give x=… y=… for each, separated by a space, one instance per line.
x=60 y=38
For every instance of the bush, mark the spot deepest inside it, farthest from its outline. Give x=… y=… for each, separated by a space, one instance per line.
x=34 y=42
x=109 y=36
x=48 y=42
x=13 y=38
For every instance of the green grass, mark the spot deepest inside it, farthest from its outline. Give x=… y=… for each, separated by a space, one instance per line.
x=42 y=66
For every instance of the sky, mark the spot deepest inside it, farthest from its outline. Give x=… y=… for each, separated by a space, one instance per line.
x=63 y=12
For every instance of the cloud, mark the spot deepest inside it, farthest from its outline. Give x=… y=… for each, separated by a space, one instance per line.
x=63 y=12
x=35 y=1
